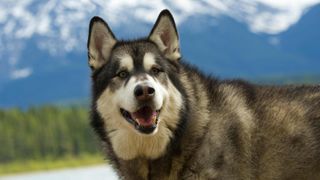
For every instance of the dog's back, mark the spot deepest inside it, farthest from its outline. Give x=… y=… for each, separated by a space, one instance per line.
x=288 y=132
x=258 y=132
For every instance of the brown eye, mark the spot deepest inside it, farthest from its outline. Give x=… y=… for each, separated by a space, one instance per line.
x=123 y=74
x=155 y=71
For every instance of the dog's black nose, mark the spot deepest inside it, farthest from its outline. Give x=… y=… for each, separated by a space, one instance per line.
x=144 y=93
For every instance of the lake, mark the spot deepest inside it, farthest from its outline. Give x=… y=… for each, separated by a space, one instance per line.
x=101 y=172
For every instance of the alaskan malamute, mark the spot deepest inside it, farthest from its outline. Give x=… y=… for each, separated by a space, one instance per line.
x=160 y=118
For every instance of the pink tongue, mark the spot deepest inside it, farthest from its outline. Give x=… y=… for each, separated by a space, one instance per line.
x=144 y=116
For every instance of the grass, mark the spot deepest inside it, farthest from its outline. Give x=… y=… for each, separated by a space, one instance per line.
x=50 y=163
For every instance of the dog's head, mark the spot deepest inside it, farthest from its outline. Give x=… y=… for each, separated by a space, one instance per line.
x=133 y=80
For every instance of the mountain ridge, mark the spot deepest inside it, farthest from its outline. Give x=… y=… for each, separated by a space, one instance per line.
x=221 y=45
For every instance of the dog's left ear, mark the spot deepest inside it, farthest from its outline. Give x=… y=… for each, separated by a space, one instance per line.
x=165 y=35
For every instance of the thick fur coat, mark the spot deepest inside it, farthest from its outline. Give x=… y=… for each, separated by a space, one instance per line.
x=193 y=126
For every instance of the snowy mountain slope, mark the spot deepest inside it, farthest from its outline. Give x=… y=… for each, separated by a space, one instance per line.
x=60 y=26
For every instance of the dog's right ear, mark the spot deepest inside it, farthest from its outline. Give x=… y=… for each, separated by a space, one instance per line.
x=100 y=42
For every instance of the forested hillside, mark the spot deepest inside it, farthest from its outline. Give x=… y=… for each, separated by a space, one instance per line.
x=46 y=132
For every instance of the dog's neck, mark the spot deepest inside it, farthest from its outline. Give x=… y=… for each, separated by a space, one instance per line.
x=129 y=145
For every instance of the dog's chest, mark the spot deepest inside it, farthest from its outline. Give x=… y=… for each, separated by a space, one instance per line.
x=143 y=169
x=128 y=145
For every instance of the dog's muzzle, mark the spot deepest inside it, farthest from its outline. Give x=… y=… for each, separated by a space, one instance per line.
x=145 y=119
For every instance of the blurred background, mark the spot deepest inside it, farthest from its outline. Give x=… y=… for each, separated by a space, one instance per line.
x=45 y=80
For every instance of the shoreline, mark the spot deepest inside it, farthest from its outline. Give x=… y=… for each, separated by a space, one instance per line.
x=33 y=166
x=96 y=172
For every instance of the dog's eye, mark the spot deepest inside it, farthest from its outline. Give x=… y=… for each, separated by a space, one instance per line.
x=123 y=74
x=155 y=71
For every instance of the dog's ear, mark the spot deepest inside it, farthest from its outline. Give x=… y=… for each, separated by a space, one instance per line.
x=165 y=35
x=100 y=42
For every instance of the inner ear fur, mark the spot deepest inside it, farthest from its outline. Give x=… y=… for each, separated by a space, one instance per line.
x=100 y=42
x=164 y=34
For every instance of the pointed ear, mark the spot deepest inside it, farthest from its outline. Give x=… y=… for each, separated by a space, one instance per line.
x=165 y=35
x=100 y=42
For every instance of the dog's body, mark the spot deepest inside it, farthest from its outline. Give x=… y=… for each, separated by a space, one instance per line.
x=160 y=118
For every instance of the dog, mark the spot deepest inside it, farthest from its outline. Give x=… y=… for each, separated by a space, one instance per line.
x=161 y=118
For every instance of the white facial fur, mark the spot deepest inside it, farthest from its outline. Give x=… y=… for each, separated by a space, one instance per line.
x=148 y=60
x=127 y=142
x=125 y=95
x=126 y=61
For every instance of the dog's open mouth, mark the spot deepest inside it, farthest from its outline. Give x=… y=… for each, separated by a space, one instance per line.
x=144 y=120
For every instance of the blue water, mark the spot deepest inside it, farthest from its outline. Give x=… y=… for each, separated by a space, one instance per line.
x=101 y=172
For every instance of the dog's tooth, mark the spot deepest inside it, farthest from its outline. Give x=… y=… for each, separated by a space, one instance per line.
x=154 y=118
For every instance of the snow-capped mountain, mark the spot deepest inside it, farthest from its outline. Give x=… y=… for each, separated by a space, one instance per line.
x=43 y=43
